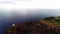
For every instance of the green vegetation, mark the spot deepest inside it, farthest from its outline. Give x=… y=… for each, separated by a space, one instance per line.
x=50 y=25
x=54 y=20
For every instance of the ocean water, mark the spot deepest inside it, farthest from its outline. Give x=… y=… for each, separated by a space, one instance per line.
x=6 y=20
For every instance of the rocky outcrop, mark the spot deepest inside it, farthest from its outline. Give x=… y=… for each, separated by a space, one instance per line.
x=34 y=27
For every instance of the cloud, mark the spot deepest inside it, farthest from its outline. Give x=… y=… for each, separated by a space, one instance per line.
x=5 y=1
x=34 y=4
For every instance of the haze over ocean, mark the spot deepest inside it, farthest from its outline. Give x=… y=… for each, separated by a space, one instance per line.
x=40 y=9
x=8 y=17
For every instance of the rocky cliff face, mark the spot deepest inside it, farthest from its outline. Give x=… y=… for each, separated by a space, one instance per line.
x=35 y=27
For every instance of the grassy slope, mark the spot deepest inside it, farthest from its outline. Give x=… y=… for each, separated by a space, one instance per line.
x=54 y=20
x=45 y=26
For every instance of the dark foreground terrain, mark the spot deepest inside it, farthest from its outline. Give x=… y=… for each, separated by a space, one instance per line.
x=49 y=25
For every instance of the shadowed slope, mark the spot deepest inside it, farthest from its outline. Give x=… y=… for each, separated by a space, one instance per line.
x=35 y=27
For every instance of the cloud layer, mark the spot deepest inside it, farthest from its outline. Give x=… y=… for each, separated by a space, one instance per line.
x=39 y=4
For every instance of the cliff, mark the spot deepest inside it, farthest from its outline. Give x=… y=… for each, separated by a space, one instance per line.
x=49 y=25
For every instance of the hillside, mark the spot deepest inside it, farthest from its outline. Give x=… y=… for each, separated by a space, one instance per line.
x=54 y=20
x=49 y=25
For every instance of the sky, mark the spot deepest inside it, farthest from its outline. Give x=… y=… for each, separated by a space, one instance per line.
x=34 y=4
x=9 y=8
x=20 y=6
